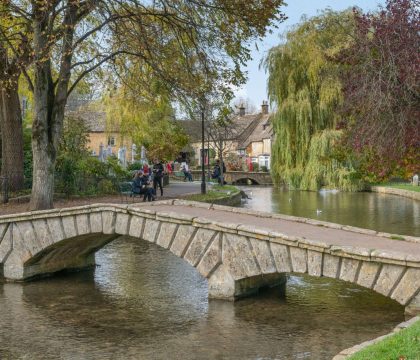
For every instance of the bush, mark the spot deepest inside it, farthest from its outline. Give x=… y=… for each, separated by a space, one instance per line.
x=91 y=166
x=264 y=168
x=67 y=172
x=135 y=166
x=255 y=166
x=106 y=186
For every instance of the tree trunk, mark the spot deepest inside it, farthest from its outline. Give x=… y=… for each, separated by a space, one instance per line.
x=49 y=104
x=12 y=138
x=222 y=175
x=43 y=149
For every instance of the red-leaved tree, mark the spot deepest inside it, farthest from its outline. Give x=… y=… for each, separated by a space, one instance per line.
x=381 y=88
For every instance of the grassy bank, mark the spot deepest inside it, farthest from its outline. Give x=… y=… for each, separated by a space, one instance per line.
x=404 y=345
x=215 y=193
x=402 y=186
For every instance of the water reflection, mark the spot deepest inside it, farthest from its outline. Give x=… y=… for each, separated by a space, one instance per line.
x=144 y=303
x=381 y=212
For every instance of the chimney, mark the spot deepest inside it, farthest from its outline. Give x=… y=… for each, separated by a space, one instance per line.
x=264 y=107
x=242 y=110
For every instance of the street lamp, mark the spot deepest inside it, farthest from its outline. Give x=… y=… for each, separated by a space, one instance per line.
x=203 y=172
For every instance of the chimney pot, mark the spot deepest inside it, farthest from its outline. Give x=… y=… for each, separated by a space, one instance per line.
x=264 y=107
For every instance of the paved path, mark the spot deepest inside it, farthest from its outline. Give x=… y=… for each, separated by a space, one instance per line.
x=291 y=228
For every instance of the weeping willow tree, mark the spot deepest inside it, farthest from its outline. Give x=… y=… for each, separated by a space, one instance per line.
x=305 y=88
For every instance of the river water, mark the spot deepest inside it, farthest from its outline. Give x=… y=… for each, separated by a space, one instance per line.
x=141 y=302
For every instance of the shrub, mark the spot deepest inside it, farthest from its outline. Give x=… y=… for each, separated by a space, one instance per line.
x=135 y=166
x=106 y=186
x=255 y=166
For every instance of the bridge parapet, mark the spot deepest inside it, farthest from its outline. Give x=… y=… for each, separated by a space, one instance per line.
x=237 y=250
x=233 y=177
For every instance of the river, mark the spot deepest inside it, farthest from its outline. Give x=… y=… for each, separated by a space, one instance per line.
x=141 y=302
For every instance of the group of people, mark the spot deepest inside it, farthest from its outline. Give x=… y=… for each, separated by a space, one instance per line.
x=143 y=179
x=147 y=180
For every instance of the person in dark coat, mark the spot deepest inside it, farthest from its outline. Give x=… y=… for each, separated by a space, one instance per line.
x=158 y=171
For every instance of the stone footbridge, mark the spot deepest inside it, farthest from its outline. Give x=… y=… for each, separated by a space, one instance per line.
x=237 y=250
x=234 y=177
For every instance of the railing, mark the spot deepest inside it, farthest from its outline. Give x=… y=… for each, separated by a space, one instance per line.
x=4 y=189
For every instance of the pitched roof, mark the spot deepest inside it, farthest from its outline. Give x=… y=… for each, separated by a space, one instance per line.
x=261 y=130
x=192 y=129
x=242 y=127
x=95 y=120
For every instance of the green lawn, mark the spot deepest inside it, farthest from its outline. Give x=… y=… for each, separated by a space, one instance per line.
x=404 y=345
x=403 y=186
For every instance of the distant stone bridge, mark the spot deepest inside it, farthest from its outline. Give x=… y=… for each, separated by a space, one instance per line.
x=237 y=250
x=234 y=177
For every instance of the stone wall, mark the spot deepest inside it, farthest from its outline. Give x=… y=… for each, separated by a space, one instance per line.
x=394 y=191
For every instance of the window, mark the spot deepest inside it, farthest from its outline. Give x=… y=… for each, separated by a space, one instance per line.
x=111 y=141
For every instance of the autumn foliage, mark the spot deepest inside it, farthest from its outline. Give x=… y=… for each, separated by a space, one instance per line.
x=381 y=89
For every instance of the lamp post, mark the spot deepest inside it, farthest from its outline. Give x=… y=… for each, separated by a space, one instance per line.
x=203 y=172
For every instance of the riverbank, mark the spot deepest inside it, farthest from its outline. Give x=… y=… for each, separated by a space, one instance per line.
x=221 y=195
x=402 y=343
x=409 y=191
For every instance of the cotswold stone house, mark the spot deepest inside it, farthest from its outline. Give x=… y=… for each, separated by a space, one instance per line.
x=105 y=140
x=251 y=138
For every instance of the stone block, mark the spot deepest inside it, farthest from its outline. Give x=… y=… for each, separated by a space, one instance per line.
x=212 y=258
x=349 y=269
x=166 y=234
x=3 y=228
x=263 y=255
x=388 y=278
x=151 y=228
x=238 y=257
x=42 y=232
x=413 y=307
x=182 y=239
x=69 y=226
x=56 y=229
x=20 y=249
x=368 y=274
x=6 y=244
x=108 y=222
x=391 y=257
x=314 y=263
x=31 y=241
x=198 y=245
x=122 y=223
x=13 y=267
x=408 y=286
x=221 y=284
x=281 y=257
x=299 y=259
x=95 y=222
x=136 y=226
x=331 y=266
x=83 y=225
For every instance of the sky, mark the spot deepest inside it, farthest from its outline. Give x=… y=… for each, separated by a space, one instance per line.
x=256 y=87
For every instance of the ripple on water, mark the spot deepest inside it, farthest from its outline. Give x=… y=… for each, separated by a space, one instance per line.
x=143 y=303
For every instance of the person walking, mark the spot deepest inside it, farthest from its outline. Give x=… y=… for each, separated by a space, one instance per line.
x=158 y=171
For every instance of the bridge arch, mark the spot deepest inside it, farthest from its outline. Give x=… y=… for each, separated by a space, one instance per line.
x=245 y=181
x=235 y=259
